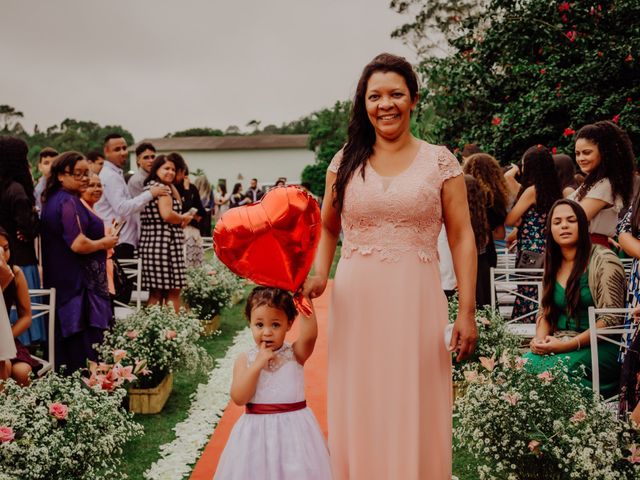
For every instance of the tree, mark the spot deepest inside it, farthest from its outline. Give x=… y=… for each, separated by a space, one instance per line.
x=197 y=132
x=255 y=124
x=232 y=130
x=9 y=115
x=534 y=71
x=327 y=135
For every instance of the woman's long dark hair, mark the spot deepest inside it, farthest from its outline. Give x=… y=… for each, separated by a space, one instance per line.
x=540 y=171
x=237 y=188
x=477 y=211
x=361 y=135
x=65 y=162
x=553 y=259
x=486 y=170
x=14 y=164
x=566 y=170
x=617 y=161
x=155 y=166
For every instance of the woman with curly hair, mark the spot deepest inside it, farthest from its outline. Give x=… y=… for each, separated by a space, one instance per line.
x=487 y=172
x=18 y=216
x=605 y=155
x=539 y=190
x=482 y=235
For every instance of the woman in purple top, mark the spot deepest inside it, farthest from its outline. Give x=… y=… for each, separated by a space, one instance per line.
x=74 y=263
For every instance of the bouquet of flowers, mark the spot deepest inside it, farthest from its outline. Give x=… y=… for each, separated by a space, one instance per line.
x=59 y=429
x=493 y=337
x=521 y=425
x=211 y=288
x=160 y=337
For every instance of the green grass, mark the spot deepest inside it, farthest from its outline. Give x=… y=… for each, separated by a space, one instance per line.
x=464 y=464
x=142 y=452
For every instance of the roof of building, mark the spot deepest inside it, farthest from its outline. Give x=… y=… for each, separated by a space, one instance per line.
x=227 y=142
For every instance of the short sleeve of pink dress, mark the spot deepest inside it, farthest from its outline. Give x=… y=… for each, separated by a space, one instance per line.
x=386 y=327
x=335 y=162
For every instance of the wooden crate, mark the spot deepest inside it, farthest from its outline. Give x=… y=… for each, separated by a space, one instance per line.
x=459 y=389
x=211 y=326
x=150 y=400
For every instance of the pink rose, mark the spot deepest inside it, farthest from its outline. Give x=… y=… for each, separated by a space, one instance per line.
x=6 y=434
x=171 y=334
x=534 y=447
x=59 y=411
x=119 y=355
x=546 y=377
x=132 y=334
x=579 y=416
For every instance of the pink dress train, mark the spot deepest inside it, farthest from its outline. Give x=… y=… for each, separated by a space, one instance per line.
x=389 y=392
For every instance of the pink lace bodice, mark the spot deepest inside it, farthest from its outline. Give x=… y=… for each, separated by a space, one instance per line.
x=391 y=216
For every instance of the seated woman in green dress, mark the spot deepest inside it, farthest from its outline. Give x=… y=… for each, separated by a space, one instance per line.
x=577 y=275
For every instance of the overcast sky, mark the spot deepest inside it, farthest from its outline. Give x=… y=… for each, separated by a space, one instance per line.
x=158 y=66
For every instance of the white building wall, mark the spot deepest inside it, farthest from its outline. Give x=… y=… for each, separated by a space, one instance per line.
x=265 y=165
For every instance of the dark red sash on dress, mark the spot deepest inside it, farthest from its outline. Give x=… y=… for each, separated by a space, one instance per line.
x=600 y=239
x=264 y=408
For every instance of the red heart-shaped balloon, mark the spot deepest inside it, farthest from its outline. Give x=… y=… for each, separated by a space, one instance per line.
x=271 y=242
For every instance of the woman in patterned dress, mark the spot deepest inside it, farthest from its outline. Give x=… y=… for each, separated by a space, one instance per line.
x=162 y=238
x=540 y=189
x=389 y=386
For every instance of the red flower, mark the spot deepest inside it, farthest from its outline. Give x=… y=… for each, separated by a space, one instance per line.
x=554 y=150
x=629 y=99
x=616 y=118
x=571 y=35
x=568 y=132
x=496 y=121
x=564 y=19
x=629 y=58
x=542 y=71
x=600 y=54
x=564 y=7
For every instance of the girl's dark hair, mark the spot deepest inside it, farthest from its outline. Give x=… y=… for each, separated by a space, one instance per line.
x=223 y=188
x=361 y=135
x=478 y=212
x=236 y=188
x=540 y=171
x=486 y=170
x=3 y=233
x=14 y=164
x=178 y=161
x=65 y=162
x=617 y=162
x=271 y=297
x=565 y=170
x=553 y=260
x=159 y=161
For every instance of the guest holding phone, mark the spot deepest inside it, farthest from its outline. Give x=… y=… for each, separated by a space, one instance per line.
x=162 y=238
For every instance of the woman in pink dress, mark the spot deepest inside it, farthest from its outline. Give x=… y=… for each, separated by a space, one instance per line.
x=389 y=392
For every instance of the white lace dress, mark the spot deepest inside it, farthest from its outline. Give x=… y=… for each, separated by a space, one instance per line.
x=276 y=446
x=7 y=344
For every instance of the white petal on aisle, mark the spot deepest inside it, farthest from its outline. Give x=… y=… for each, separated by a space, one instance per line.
x=207 y=406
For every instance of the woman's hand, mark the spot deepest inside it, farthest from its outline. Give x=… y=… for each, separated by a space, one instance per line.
x=549 y=345
x=463 y=337
x=109 y=241
x=314 y=286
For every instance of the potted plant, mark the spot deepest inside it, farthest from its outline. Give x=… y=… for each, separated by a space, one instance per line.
x=58 y=428
x=523 y=426
x=166 y=341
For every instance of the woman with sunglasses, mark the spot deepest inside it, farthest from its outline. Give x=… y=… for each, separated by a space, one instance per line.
x=74 y=249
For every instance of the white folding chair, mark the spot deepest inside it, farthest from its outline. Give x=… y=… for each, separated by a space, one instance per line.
x=207 y=243
x=627 y=263
x=504 y=291
x=604 y=334
x=132 y=268
x=40 y=308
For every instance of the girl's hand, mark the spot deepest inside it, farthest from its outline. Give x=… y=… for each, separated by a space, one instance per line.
x=264 y=355
x=314 y=286
x=109 y=241
x=463 y=337
x=549 y=345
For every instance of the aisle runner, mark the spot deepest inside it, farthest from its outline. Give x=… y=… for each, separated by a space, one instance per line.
x=315 y=373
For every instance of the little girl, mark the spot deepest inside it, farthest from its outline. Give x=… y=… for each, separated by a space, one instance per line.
x=278 y=438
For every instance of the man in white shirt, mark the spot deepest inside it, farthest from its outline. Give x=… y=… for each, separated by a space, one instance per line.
x=145 y=155
x=116 y=202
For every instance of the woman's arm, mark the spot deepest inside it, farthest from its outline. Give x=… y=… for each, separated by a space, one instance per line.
x=23 y=304
x=457 y=221
x=315 y=285
x=84 y=245
x=525 y=201
x=165 y=206
x=245 y=377
x=592 y=206
x=510 y=178
x=630 y=244
x=499 y=233
x=307 y=335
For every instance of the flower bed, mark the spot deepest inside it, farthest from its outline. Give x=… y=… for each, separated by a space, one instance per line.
x=211 y=288
x=519 y=425
x=160 y=337
x=58 y=428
